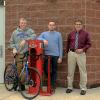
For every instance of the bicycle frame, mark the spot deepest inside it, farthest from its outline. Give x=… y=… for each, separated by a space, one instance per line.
x=25 y=68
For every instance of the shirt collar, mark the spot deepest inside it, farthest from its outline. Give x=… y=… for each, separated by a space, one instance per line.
x=79 y=31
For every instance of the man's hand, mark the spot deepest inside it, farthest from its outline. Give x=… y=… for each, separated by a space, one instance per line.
x=45 y=42
x=59 y=60
x=79 y=51
x=22 y=43
x=14 y=51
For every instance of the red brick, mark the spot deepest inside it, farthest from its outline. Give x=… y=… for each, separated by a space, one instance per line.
x=63 y=1
x=77 y=69
x=91 y=83
x=97 y=67
x=77 y=5
x=97 y=29
x=90 y=13
x=11 y=8
x=94 y=52
x=64 y=12
x=90 y=28
x=90 y=21
x=65 y=29
x=97 y=13
x=77 y=77
x=91 y=76
x=91 y=60
x=95 y=36
x=62 y=75
x=94 y=44
x=97 y=74
x=97 y=60
x=79 y=13
x=89 y=5
x=91 y=68
x=62 y=68
x=61 y=83
x=96 y=6
x=98 y=44
x=97 y=22
x=98 y=81
x=11 y=2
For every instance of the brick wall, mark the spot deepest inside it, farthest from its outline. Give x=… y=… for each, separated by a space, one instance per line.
x=64 y=12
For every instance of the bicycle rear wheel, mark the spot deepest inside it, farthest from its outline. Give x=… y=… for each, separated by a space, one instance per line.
x=9 y=77
x=31 y=87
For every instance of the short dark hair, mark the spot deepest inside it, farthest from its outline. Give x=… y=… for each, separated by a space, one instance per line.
x=78 y=20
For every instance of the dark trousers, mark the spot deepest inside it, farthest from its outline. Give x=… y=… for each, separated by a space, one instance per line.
x=53 y=68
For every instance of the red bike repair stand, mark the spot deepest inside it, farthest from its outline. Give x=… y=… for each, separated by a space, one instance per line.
x=37 y=46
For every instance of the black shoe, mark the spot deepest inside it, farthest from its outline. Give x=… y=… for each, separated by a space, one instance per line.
x=52 y=90
x=15 y=86
x=22 y=87
x=83 y=92
x=53 y=86
x=68 y=90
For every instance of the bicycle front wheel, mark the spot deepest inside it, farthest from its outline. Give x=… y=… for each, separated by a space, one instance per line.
x=9 y=77
x=30 y=88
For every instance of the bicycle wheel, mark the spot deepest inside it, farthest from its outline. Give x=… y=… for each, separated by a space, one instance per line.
x=9 y=77
x=31 y=87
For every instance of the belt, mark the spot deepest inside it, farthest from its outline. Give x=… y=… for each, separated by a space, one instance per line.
x=73 y=50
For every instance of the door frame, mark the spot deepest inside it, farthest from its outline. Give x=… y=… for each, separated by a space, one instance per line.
x=3 y=55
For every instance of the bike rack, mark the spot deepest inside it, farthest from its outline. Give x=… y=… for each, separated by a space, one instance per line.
x=37 y=46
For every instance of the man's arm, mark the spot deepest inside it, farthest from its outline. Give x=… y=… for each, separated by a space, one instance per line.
x=12 y=41
x=67 y=43
x=60 y=49
x=31 y=35
x=60 y=46
x=13 y=45
x=41 y=37
x=88 y=43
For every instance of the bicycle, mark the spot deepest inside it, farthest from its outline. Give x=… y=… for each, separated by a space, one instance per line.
x=12 y=79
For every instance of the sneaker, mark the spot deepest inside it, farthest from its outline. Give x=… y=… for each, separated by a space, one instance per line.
x=69 y=90
x=83 y=92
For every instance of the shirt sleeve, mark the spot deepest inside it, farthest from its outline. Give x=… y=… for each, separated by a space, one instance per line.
x=88 y=43
x=60 y=46
x=67 y=43
x=31 y=35
x=41 y=37
x=12 y=41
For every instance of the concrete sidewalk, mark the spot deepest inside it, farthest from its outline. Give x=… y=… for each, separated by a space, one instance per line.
x=92 y=94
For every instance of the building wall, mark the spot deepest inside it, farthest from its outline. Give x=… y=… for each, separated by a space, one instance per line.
x=63 y=12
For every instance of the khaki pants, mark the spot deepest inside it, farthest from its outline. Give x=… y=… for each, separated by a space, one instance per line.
x=19 y=63
x=20 y=66
x=80 y=59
